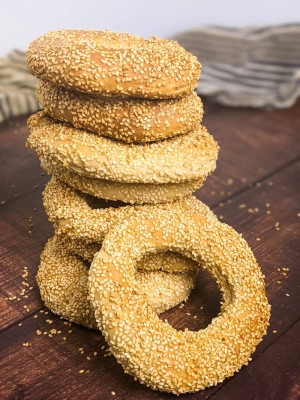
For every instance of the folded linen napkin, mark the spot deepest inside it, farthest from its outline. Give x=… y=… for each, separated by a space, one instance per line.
x=256 y=67
x=17 y=87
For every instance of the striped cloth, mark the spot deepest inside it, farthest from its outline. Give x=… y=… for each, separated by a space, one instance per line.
x=17 y=87
x=256 y=67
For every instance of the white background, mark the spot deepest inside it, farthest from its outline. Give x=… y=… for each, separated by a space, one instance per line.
x=23 y=20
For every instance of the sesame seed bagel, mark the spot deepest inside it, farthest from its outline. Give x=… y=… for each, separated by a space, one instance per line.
x=63 y=282
x=108 y=63
x=180 y=159
x=131 y=193
x=152 y=350
x=80 y=216
x=129 y=120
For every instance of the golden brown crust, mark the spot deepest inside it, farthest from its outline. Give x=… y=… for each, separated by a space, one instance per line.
x=153 y=351
x=131 y=193
x=63 y=282
x=129 y=120
x=180 y=159
x=109 y=64
x=82 y=217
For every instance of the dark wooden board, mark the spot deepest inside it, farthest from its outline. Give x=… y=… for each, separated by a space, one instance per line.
x=262 y=150
x=253 y=145
x=278 y=371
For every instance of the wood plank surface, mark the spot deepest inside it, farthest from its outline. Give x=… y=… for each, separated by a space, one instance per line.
x=257 y=180
x=278 y=369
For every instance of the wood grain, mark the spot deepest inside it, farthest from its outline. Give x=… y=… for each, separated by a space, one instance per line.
x=278 y=371
x=253 y=144
x=261 y=147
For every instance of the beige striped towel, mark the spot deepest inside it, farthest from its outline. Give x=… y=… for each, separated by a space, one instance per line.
x=17 y=87
x=256 y=67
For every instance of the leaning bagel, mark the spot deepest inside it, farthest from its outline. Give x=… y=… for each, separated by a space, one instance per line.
x=63 y=282
x=80 y=216
x=128 y=120
x=184 y=158
x=109 y=64
x=153 y=351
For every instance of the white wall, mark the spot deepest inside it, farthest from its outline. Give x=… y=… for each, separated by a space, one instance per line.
x=23 y=20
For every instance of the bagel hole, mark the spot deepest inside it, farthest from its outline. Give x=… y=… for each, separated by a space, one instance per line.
x=96 y=203
x=203 y=304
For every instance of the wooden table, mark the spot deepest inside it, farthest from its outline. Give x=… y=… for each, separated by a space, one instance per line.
x=255 y=189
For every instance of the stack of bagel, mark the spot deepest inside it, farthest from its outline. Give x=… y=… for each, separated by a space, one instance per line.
x=121 y=136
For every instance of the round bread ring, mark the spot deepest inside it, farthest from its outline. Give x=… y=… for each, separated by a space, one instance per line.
x=109 y=64
x=180 y=159
x=128 y=120
x=80 y=216
x=63 y=282
x=131 y=193
x=153 y=351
